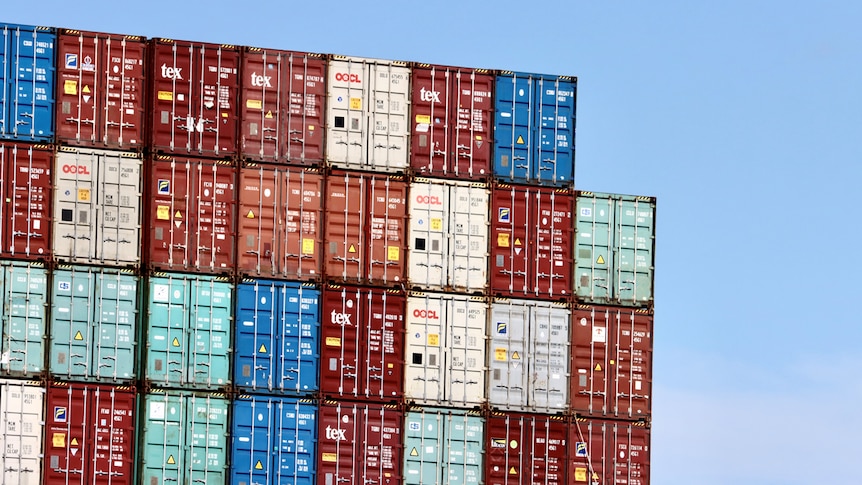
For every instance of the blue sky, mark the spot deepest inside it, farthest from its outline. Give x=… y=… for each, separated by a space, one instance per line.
x=744 y=118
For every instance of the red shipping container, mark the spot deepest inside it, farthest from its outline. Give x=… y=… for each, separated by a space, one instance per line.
x=89 y=434
x=611 y=362
x=25 y=200
x=101 y=90
x=280 y=219
x=451 y=122
x=531 y=242
x=365 y=228
x=526 y=449
x=192 y=215
x=362 y=354
x=282 y=106
x=194 y=96
x=359 y=444
x=609 y=452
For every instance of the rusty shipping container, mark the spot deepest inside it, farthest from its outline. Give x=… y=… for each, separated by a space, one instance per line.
x=101 y=90
x=362 y=349
x=26 y=192
x=191 y=215
x=611 y=362
x=604 y=451
x=451 y=122
x=194 y=98
x=365 y=228
x=526 y=449
x=531 y=242
x=282 y=106
x=359 y=443
x=280 y=222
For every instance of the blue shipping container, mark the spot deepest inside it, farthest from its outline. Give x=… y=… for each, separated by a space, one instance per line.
x=534 y=131
x=277 y=335
x=27 y=75
x=23 y=319
x=274 y=441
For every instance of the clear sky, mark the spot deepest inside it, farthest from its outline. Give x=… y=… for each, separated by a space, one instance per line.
x=744 y=118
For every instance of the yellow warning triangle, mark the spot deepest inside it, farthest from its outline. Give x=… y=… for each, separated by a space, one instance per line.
x=250 y=215
x=598 y=367
x=595 y=476
x=512 y=471
x=268 y=115
x=78 y=336
x=86 y=89
x=258 y=465
x=601 y=260
x=516 y=355
x=74 y=441
x=171 y=460
x=413 y=452
x=262 y=349
x=176 y=342
x=520 y=140
x=351 y=249
x=517 y=241
x=178 y=215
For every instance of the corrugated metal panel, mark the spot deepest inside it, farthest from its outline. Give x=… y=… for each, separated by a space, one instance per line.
x=444 y=447
x=101 y=97
x=449 y=235
x=189 y=331
x=184 y=438
x=283 y=95
x=615 y=255
x=605 y=452
x=90 y=434
x=22 y=411
x=24 y=318
x=94 y=324
x=534 y=135
x=451 y=122
x=277 y=337
x=445 y=350
x=27 y=77
x=367 y=109
x=280 y=222
x=97 y=207
x=526 y=449
x=274 y=441
x=25 y=200
x=529 y=356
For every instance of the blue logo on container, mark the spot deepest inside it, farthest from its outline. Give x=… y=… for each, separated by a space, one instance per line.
x=501 y=328
x=59 y=414
x=71 y=61
x=504 y=215
x=164 y=186
x=64 y=285
x=413 y=426
x=581 y=449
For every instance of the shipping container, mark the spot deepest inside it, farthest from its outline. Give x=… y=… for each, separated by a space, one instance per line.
x=443 y=446
x=90 y=434
x=274 y=441
x=534 y=132
x=362 y=349
x=366 y=112
x=195 y=97
x=22 y=411
x=609 y=452
x=183 y=438
x=451 y=122
x=531 y=242
x=526 y=449
x=101 y=90
x=445 y=350
x=611 y=362
x=277 y=337
x=27 y=77
x=188 y=332
x=192 y=215
x=359 y=443
x=365 y=228
x=24 y=318
x=280 y=222
x=97 y=207
x=448 y=235
x=25 y=200
x=615 y=249
x=94 y=324
x=282 y=106
x=529 y=356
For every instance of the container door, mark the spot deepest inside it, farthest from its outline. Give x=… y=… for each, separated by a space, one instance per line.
x=114 y=419
x=549 y=357
x=387 y=219
x=257 y=232
x=76 y=215
x=388 y=107
x=25 y=201
x=609 y=452
x=383 y=361
x=594 y=254
x=509 y=379
x=72 y=325
x=592 y=373
x=255 y=366
x=301 y=208
x=466 y=320
x=79 y=65
x=344 y=235
x=24 y=318
x=466 y=443
x=425 y=456
x=468 y=229
x=305 y=108
x=210 y=329
x=553 y=244
x=526 y=449
x=164 y=438
x=206 y=432
x=22 y=408
x=122 y=124
x=261 y=108
x=425 y=377
x=555 y=125
x=298 y=342
x=167 y=337
x=342 y=334
x=634 y=228
x=254 y=427
x=510 y=240
x=472 y=136
x=30 y=82
x=115 y=312
x=433 y=108
x=634 y=360
x=295 y=443
x=119 y=206
x=429 y=243
x=347 y=122
x=513 y=132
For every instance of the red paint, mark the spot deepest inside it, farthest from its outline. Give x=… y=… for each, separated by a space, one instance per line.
x=26 y=195
x=608 y=452
x=525 y=449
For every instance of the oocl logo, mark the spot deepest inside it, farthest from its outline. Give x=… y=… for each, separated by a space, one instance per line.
x=428 y=199
x=351 y=78
x=429 y=314
x=78 y=169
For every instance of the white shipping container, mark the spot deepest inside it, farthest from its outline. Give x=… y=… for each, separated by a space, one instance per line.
x=23 y=416
x=449 y=224
x=97 y=207
x=529 y=356
x=445 y=350
x=366 y=113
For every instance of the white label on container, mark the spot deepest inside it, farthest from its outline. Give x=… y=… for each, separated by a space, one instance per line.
x=37 y=224
x=637 y=385
x=160 y=293
x=599 y=334
x=157 y=410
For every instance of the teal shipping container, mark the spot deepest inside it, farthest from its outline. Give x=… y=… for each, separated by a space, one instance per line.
x=443 y=446
x=615 y=253
x=184 y=438
x=188 y=331
x=94 y=324
x=23 y=320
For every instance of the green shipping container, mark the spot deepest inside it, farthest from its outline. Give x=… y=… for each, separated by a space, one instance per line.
x=443 y=446
x=23 y=320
